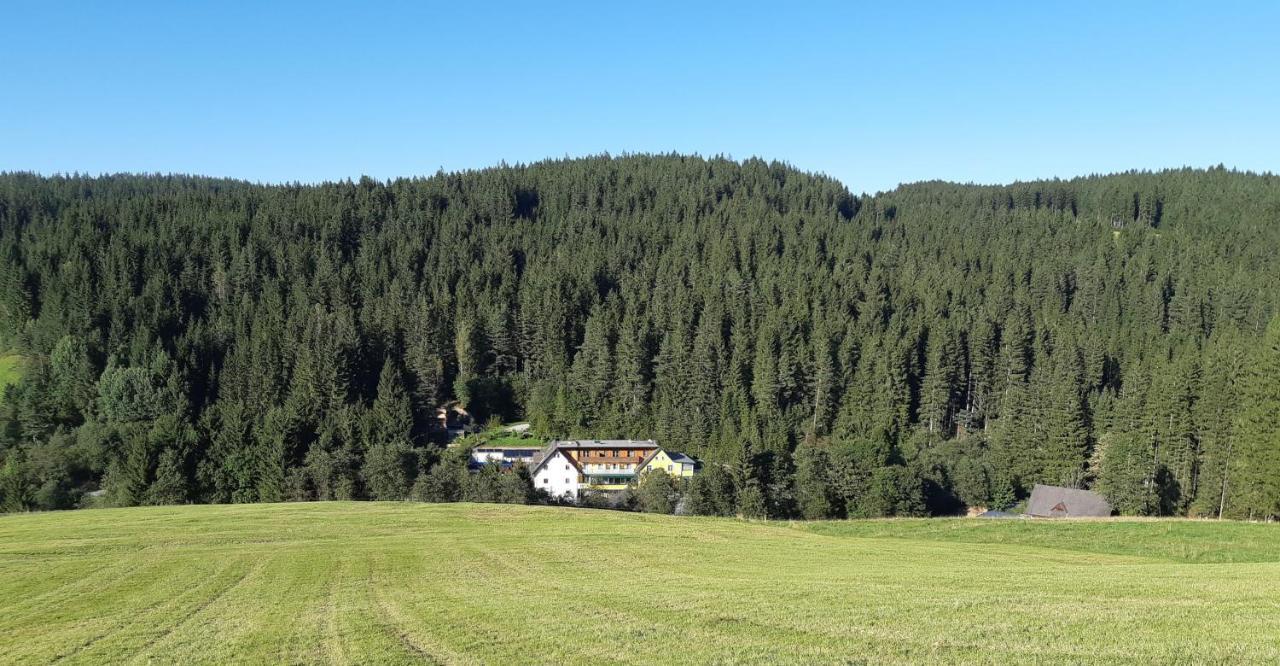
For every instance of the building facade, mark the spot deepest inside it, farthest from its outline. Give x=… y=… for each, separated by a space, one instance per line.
x=559 y=475
x=675 y=464
x=603 y=466
x=504 y=455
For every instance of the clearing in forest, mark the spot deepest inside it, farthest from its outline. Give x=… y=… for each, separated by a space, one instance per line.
x=12 y=367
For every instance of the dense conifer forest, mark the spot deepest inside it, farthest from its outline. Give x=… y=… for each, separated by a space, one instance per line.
x=824 y=354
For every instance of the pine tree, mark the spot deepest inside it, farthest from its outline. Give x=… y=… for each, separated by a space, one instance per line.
x=942 y=388
x=1176 y=390
x=388 y=470
x=271 y=460
x=1063 y=420
x=1216 y=414
x=170 y=484
x=813 y=488
x=1127 y=474
x=984 y=358
x=15 y=486
x=130 y=473
x=392 y=412
x=468 y=353
x=423 y=357
x=891 y=491
x=592 y=369
x=751 y=501
x=711 y=493
x=1256 y=469
x=73 y=379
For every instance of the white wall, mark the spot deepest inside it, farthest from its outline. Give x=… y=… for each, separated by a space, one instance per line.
x=481 y=455
x=558 y=477
x=486 y=456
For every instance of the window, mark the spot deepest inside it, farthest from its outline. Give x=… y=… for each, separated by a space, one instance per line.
x=546 y=480
x=566 y=482
x=566 y=467
x=668 y=468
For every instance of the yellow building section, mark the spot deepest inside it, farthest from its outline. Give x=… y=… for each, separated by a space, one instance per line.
x=605 y=481
x=665 y=463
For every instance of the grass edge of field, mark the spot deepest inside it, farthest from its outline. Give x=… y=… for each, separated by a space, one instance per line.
x=1171 y=540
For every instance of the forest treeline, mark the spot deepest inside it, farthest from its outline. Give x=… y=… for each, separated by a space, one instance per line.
x=824 y=354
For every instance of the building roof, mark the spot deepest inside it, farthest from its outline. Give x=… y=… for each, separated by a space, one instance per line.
x=452 y=406
x=606 y=444
x=551 y=449
x=1058 y=502
x=648 y=457
x=547 y=454
x=675 y=457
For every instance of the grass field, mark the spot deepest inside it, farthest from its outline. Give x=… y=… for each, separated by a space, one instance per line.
x=412 y=583
x=11 y=369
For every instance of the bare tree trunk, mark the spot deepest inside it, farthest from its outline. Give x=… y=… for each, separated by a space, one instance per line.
x=816 y=395
x=1226 y=467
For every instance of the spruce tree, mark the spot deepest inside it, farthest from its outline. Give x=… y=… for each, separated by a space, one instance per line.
x=391 y=414
x=170 y=484
x=1256 y=468
x=1216 y=415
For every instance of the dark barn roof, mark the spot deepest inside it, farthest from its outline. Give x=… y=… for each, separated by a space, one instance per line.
x=1057 y=502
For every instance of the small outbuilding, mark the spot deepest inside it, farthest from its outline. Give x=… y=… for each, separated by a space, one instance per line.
x=998 y=515
x=1059 y=502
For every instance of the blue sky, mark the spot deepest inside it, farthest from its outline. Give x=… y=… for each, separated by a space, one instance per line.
x=874 y=95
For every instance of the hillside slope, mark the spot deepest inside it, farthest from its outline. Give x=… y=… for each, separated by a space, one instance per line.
x=830 y=355
x=408 y=583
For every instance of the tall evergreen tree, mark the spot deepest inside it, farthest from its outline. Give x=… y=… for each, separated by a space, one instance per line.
x=1256 y=469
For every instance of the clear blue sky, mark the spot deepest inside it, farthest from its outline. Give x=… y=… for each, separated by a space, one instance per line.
x=872 y=95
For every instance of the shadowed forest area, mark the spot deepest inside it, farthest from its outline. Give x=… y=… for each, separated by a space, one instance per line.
x=825 y=355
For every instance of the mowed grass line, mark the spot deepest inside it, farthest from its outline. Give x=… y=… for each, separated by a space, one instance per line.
x=411 y=583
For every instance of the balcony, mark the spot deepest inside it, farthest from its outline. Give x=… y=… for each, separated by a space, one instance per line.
x=607 y=487
x=618 y=469
x=609 y=480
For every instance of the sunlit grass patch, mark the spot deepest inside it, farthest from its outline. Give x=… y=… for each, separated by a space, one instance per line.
x=414 y=583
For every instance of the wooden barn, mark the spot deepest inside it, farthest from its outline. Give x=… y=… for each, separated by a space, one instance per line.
x=1059 y=502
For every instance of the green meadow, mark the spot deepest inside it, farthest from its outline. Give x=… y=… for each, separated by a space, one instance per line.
x=421 y=583
x=11 y=370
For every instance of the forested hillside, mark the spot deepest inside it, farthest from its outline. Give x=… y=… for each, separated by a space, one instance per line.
x=824 y=354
